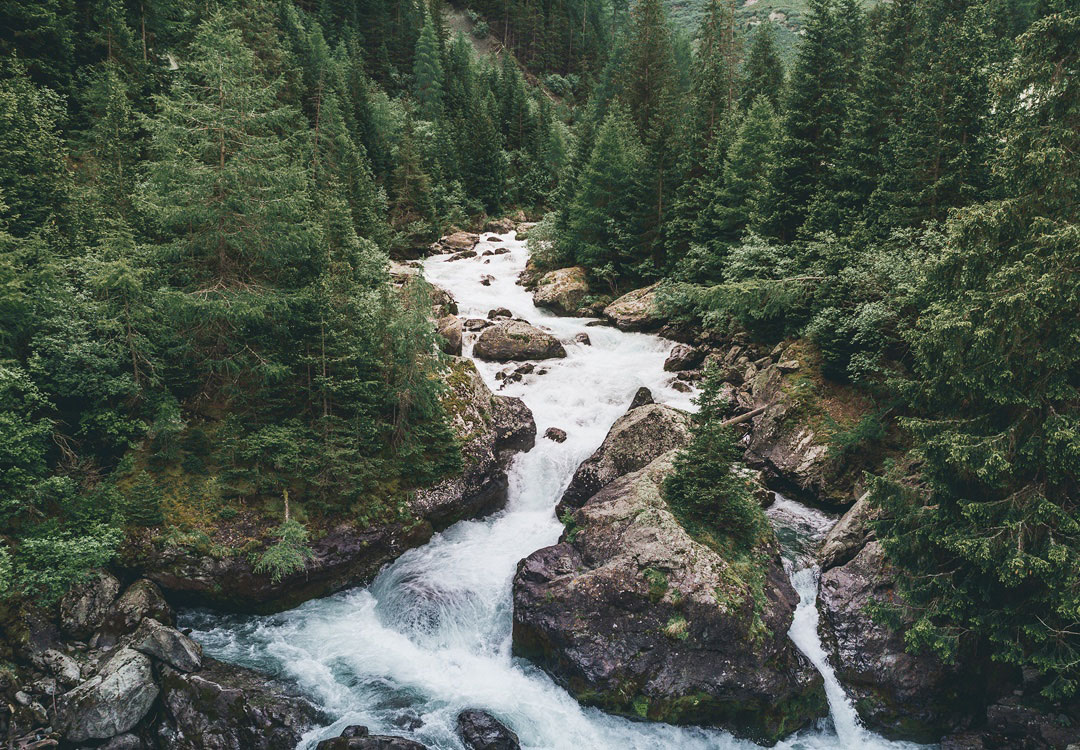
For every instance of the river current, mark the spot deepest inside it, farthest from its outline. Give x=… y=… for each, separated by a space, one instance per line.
x=431 y=635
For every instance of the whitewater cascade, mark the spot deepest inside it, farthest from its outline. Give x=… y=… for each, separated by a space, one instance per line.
x=431 y=635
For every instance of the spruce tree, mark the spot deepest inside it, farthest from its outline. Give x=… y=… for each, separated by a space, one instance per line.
x=763 y=71
x=428 y=72
x=716 y=84
x=746 y=171
x=988 y=532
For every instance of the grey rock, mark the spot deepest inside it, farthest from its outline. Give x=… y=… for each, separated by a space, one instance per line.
x=683 y=357
x=84 y=607
x=632 y=615
x=476 y=324
x=486 y=279
x=636 y=438
x=681 y=387
x=499 y=312
x=112 y=702
x=124 y=742
x=850 y=534
x=224 y=707
x=358 y=738
x=562 y=290
x=555 y=434
x=61 y=666
x=642 y=397
x=515 y=428
x=168 y=645
x=516 y=340
x=479 y=730
x=450 y=334
x=635 y=311
x=583 y=338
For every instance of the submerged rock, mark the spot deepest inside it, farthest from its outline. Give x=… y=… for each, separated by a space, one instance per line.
x=224 y=707
x=479 y=730
x=510 y=340
x=639 y=436
x=562 y=290
x=632 y=615
x=635 y=311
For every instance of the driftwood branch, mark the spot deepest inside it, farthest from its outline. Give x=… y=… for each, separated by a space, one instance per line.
x=744 y=417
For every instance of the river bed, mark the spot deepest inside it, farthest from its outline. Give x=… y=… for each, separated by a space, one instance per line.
x=431 y=635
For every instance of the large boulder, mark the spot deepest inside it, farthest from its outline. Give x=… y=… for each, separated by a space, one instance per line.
x=457 y=242
x=785 y=444
x=479 y=730
x=141 y=599
x=635 y=311
x=850 y=534
x=361 y=740
x=490 y=427
x=86 y=605
x=903 y=695
x=562 y=290
x=450 y=331
x=111 y=702
x=632 y=615
x=223 y=707
x=684 y=357
x=167 y=645
x=510 y=340
x=639 y=436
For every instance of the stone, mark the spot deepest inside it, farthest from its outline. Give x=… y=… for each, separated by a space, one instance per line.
x=450 y=334
x=486 y=279
x=904 y=695
x=124 y=742
x=788 y=365
x=515 y=428
x=479 y=730
x=167 y=645
x=582 y=338
x=642 y=397
x=224 y=707
x=510 y=340
x=635 y=311
x=111 y=702
x=500 y=226
x=459 y=241
x=637 y=438
x=632 y=615
x=442 y=302
x=499 y=312
x=85 y=606
x=562 y=290
x=683 y=357
x=476 y=324
x=61 y=666
x=681 y=387
x=463 y=255
x=555 y=434
x=849 y=535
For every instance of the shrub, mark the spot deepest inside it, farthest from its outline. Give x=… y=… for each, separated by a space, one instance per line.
x=288 y=555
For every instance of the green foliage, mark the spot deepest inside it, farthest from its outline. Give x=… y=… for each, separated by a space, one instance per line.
x=708 y=498
x=49 y=563
x=288 y=555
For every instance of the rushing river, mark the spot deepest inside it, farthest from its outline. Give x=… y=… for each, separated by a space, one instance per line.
x=431 y=635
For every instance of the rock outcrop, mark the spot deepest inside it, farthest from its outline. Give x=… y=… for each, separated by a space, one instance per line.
x=349 y=553
x=562 y=290
x=111 y=702
x=644 y=433
x=903 y=695
x=224 y=707
x=849 y=535
x=631 y=614
x=511 y=340
x=479 y=730
x=85 y=606
x=635 y=311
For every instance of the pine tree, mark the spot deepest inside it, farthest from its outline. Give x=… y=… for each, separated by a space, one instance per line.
x=988 y=533
x=763 y=71
x=428 y=72
x=716 y=84
x=746 y=171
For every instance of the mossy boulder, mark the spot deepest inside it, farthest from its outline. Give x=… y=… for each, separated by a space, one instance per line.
x=512 y=340
x=635 y=311
x=562 y=290
x=633 y=615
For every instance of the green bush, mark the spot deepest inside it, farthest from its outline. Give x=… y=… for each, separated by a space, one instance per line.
x=288 y=555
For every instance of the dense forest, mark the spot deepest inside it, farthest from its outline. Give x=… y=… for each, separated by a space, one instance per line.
x=200 y=201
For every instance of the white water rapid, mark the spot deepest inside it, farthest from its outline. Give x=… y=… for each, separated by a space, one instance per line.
x=431 y=635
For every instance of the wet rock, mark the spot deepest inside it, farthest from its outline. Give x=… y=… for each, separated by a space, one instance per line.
x=496 y=250
x=500 y=226
x=450 y=334
x=515 y=428
x=111 y=702
x=911 y=696
x=632 y=615
x=224 y=707
x=635 y=311
x=499 y=312
x=494 y=239
x=61 y=666
x=681 y=387
x=442 y=302
x=683 y=357
x=479 y=730
x=476 y=324
x=636 y=438
x=555 y=434
x=486 y=279
x=458 y=241
x=371 y=742
x=850 y=534
x=463 y=255
x=124 y=742
x=582 y=338
x=516 y=340
x=562 y=290
x=642 y=397
x=167 y=645
x=85 y=606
